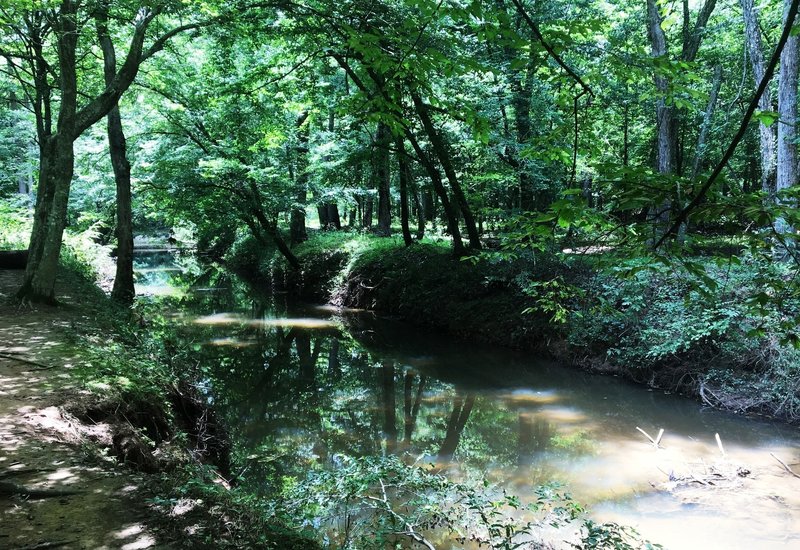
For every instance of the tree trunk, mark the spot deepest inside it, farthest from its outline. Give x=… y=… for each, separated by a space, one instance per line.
x=766 y=133
x=383 y=179
x=416 y=194
x=56 y=166
x=404 y=176
x=123 y=290
x=706 y=127
x=787 y=111
x=450 y=211
x=440 y=149
x=297 y=225
x=665 y=114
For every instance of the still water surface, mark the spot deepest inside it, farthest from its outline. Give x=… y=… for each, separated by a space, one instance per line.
x=312 y=382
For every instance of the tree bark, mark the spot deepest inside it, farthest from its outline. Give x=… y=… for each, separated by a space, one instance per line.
x=451 y=214
x=787 y=111
x=665 y=115
x=766 y=134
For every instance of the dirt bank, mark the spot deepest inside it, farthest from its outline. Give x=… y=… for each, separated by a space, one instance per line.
x=62 y=483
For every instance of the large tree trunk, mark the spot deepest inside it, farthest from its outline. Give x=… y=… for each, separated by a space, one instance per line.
x=766 y=133
x=787 y=111
x=50 y=218
x=665 y=114
x=383 y=179
x=123 y=290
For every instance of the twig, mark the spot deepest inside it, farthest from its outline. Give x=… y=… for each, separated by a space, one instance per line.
x=655 y=441
x=785 y=467
x=41 y=366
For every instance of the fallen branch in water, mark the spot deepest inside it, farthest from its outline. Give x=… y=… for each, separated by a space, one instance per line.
x=41 y=366
x=719 y=444
x=655 y=441
x=785 y=466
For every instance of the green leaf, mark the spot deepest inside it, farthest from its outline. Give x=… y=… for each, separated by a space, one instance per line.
x=767 y=118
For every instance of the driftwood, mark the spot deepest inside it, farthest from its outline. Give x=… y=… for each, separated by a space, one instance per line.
x=655 y=441
x=717 y=475
x=13 y=259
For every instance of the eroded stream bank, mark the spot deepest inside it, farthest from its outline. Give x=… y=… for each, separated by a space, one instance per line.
x=303 y=389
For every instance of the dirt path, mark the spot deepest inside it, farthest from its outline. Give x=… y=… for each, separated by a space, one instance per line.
x=43 y=448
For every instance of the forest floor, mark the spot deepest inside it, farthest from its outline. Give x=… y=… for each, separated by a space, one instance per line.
x=44 y=448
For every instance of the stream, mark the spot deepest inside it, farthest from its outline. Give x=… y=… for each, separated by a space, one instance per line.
x=311 y=382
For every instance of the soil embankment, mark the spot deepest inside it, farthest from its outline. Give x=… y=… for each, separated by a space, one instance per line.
x=63 y=495
x=82 y=469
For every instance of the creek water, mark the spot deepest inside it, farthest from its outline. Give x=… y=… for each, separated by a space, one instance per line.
x=306 y=383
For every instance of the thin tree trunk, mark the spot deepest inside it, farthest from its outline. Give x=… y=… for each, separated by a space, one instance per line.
x=451 y=213
x=404 y=177
x=706 y=127
x=383 y=179
x=123 y=290
x=440 y=149
x=297 y=224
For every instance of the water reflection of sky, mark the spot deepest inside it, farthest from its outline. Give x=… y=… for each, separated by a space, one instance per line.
x=303 y=384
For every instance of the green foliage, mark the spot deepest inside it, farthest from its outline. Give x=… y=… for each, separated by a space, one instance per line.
x=372 y=502
x=611 y=536
x=15 y=225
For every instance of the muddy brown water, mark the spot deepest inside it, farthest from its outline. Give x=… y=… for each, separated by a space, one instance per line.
x=312 y=381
